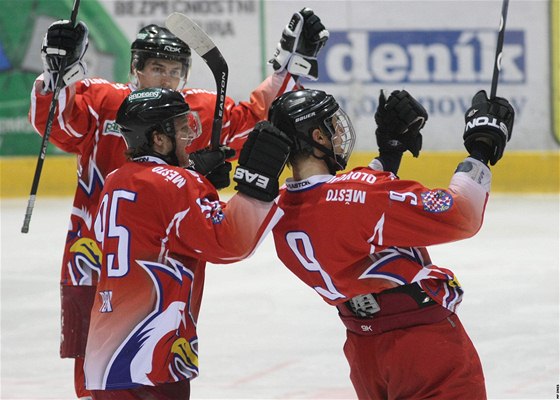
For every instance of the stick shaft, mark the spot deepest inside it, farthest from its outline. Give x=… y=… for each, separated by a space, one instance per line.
x=47 y=134
x=499 y=48
x=189 y=32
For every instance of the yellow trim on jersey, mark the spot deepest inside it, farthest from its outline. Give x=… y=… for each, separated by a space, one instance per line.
x=517 y=171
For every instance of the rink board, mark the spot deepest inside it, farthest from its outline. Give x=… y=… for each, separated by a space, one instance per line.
x=521 y=171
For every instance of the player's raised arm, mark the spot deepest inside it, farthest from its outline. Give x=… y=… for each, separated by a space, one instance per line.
x=63 y=40
x=399 y=118
x=249 y=213
x=488 y=128
x=302 y=39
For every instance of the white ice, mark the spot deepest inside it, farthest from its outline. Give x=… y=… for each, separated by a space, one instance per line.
x=264 y=335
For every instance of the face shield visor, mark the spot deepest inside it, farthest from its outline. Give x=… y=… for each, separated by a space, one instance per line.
x=343 y=137
x=187 y=128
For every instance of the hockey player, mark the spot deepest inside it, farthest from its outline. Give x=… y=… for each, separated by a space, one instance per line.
x=158 y=224
x=84 y=125
x=357 y=238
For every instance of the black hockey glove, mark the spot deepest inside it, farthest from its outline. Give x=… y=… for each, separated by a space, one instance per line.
x=219 y=177
x=399 y=120
x=488 y=127
x=261 y=162
x=302 y=39
x=213 y=165
x=68 y=42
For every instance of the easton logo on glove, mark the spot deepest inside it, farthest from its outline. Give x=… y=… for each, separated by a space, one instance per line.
x=242 y=174
x=488 y=127
x=485 y=121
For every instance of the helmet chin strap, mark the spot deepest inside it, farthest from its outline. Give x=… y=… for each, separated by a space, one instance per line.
x=329 y=161
x=328 y=157
x=171 y=157
x=328 y=154
x=133 y=79
x=182 y=84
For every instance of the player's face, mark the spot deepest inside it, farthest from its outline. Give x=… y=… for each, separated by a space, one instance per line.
x=187 y=128
x=338 y=136
x=159 y=72
x=342 y=136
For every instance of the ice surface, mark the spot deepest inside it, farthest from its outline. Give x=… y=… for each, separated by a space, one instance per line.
x=265 y=335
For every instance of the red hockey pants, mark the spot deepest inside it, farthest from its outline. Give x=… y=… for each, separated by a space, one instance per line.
x=434 y=361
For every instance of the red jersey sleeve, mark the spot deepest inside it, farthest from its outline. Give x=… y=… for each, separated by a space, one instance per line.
x=239 y=118
x=414 y=215
x=84 y=109
x=174 y=212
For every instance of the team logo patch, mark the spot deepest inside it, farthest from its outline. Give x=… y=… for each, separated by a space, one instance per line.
x=111 y=128
x=212 y=210
x=436 y=201
x=217 y=215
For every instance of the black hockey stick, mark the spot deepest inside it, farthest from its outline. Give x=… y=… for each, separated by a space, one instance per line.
x=499 y=47
x=189 y=32
x=47 y=134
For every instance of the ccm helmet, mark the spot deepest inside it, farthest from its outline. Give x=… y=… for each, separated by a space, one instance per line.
x=153 y=109
x=154 y=41
x=300 y=112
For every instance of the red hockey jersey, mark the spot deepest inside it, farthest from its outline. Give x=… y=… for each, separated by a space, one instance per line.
x=84 y=125
x=157 y=226
x=364 y=231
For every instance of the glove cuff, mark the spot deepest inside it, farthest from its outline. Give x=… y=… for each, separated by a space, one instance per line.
x=72 y=74
x=391 y=161
x=280 y=59
x=476 y=171
x=304 y=67
x=255 y=184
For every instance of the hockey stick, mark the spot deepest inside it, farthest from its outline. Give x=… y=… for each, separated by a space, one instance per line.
x=499 y=47
x=189 y=32
x=47 y=134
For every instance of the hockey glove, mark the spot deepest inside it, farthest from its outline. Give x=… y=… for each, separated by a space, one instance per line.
x=261 y=162
x=399 y=120
x=488 y=127
x=302 y=39
x=219 y=177
x=213 y=165
x=68 y=42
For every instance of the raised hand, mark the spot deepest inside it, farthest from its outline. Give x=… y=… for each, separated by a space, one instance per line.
x=261 y=162
x=302 y=39
x=488 y=127
x=213 y=165
x=64 y=41
x=399 y=120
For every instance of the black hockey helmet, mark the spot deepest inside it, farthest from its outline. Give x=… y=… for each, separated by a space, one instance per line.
x=153 y=109
x=298 y=113
x=153 y=41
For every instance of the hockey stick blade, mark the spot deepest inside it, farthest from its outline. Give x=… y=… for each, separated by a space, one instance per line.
x=47 y=133
x=499 y=47
x=189 y=32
